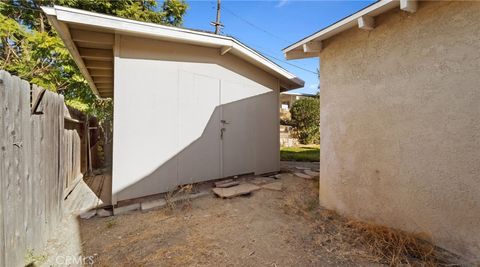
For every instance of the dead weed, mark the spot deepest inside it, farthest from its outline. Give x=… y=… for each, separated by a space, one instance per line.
x=352 y=238
x=111 y=223
x=179 y=197
x=395 y=247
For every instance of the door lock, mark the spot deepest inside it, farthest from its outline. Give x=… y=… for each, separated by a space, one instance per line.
x=221 y=132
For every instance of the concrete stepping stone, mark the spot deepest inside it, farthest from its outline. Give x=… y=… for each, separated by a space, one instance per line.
x=157 y=203
x=311 y=173
x=238 y=190
x=262 y=180
x=301 y=168
x=277 y=176
x=277 y=186
x=104 y=213
x=88 y=214
x=127 y=208
x=226 y=183
x=303 y=175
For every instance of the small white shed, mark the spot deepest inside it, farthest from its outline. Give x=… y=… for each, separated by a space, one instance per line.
x=190 y=106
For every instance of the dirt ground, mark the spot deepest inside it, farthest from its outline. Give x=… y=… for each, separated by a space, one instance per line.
x=261 y=229
x=266 y=228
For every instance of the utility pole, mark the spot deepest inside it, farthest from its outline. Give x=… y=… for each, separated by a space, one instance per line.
x=217 y=23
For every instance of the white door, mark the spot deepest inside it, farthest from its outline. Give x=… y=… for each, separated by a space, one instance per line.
x=237 y=126
x=216 y=128
x=199 y=133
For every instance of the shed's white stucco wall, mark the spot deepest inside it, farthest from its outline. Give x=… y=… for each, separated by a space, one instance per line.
x=169 y=100
x=400 y=123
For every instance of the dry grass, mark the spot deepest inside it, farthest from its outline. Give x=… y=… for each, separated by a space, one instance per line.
x=395 y=247
x=34 y=259
x=350 y=239
x=179 y=197
x=287 y=228
x=110 y=223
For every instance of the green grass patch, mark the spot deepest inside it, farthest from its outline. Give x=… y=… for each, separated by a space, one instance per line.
x=300 y=153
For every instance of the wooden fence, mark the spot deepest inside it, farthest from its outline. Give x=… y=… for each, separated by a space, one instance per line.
x=39 y=162
x=72 y=147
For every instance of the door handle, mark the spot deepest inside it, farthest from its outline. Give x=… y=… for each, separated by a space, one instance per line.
x=225 y=122
x=221 y=132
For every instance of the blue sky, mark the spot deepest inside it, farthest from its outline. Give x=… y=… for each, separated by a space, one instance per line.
x=270 y=26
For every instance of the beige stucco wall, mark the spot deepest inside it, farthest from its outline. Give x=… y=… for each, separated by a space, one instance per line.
x=400 y=123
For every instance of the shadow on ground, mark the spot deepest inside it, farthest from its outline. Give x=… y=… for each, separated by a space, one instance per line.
x=266 y=228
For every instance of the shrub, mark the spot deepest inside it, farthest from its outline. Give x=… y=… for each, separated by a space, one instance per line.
x=284 y=117
x=305 y=120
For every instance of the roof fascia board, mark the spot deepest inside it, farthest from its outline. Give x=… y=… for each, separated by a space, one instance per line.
x=299 y=54
x=67 y=40
x=119 y=19
x=49 y=11
x=246 y=52
x=346 y=23
x=139 y=28
x=126 y=26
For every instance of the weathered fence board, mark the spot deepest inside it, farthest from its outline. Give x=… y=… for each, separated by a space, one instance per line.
x=23 y=132
x=14 y=167
x=38 y=207
x=72 y=152
x=29 y=201
x=40 y=160
x=3 y=154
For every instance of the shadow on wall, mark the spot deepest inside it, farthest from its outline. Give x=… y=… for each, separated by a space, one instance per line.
x=187 y=147
x=209 y=156
x=136 y=48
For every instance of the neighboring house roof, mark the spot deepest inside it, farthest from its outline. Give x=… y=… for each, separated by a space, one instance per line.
x=92 y=49
x=311 y=46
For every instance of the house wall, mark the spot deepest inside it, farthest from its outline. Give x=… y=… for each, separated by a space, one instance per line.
x=290 y=99
x=400 y=118
x=169 y=100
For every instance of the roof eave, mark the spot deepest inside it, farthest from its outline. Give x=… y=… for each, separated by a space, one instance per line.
x=63 y=15
x=67 y=40
x=311 y=46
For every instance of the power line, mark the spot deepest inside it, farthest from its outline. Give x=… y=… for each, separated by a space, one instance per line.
x=281 y=60
x=277 y=59
x=254 y=26
x=271 y=34
x=284 y=61
x=251 y=24
x=288 y=63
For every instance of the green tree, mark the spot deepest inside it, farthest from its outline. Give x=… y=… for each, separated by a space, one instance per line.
x=28 y=12
x=41 y=59
x=32 y=50
x=305 y=120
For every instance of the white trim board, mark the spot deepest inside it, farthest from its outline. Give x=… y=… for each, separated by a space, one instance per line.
x=69 y=16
